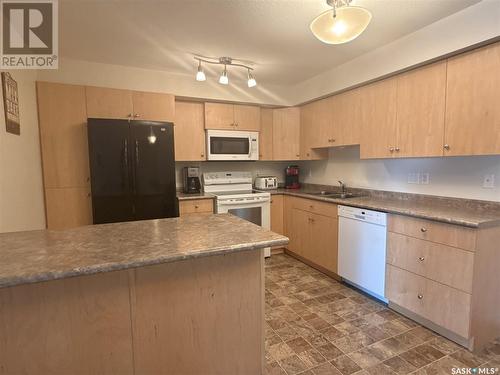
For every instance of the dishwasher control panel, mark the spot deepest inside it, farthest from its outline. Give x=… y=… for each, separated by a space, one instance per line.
x=368 y=216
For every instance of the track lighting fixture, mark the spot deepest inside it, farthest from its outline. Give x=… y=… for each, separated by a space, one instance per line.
x=223 y=78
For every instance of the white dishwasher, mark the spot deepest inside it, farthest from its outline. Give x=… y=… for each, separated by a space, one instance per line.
x=362 y=249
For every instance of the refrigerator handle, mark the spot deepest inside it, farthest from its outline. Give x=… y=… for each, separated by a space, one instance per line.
x=136 y=153
x=125 y=156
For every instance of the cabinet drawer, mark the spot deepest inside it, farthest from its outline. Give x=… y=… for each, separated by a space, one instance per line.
x=442 y=263
x=196 y=206
x=442 y=305
x=447 y=234
x=314 y=206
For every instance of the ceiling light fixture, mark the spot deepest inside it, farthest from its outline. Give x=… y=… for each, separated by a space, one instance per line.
x=200 y=75
x=341 y=24
x=226 y=61
x=224 y=79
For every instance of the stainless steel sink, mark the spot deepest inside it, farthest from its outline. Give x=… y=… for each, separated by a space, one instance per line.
x=335 y=194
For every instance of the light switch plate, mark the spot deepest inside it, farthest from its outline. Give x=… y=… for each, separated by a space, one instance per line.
x=424 y=178
x=489 y=181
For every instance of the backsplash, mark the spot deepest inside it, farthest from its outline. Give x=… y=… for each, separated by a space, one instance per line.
x=260 y=168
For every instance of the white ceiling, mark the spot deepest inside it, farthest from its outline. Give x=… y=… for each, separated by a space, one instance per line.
x=273 y=34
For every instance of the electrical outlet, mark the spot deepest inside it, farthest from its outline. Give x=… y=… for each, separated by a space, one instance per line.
x=424 y=178
x=489 y=181
x=413 y=178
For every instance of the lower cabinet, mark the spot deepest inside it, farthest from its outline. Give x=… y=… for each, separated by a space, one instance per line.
x=195 y=206
x=312 y=227
x=68 y=207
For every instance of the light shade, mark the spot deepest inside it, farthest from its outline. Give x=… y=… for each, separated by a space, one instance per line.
x=348 y=24
x=224 y=79
x=200 y=75
x=251 y=80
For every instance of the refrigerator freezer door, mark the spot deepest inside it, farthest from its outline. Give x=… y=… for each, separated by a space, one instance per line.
x=110 y=166
x=154 y=170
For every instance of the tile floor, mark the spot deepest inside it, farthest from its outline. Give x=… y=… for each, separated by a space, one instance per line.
x=316 y=325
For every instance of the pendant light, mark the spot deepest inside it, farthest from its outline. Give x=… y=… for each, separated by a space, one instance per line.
x=341 y=24
x=200 y=75
x=251 y=80
x=224 y=79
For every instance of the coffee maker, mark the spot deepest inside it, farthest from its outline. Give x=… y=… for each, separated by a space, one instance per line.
x=292 y=177
x=191 y=180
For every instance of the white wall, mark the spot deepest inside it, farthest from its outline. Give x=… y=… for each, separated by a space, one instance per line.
x=453 y=177
x=21 y=187
x=123 y=77
x=260 y=168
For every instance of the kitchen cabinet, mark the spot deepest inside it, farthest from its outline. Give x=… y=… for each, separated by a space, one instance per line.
x=153 y=106
x=232 y=117
x=62 y=121
x=189 y=131
x=472 y=125
x=286 y=134
x=444 y=274
x=110 y=103
x=347 y=118
x=312 y=227
x=420 y=111
x=104 y=102
x=266 y=134
x=277 y=224
x=378 y=119
x=316 y=118
x=68 y=207
x=196 y=206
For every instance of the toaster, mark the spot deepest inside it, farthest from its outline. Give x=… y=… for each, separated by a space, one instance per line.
x=266 y=182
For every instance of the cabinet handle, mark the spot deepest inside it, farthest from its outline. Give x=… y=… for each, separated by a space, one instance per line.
x=297 y=155
x=195 y=206
x=202 y=155
x=88 y=195
x=137 y=115
x=446 y=146
x=420 y=296
x=391 y=149
x=421 y=259
x=397 y=149
x=308 y=154
x=423 y=230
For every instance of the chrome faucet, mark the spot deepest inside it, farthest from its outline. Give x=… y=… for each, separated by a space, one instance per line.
x=342 y=187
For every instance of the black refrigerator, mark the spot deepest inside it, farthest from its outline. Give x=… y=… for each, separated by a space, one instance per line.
x=132 y=169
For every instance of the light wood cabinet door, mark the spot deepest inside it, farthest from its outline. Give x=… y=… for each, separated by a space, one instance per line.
x=153 y=106
x=266 y=134
x=189 y=131
x=196 y=206
x=405 y=289
x=472 y=125
x=379 y=127
x=68 y=207
x=286 y=134
x=277 y=214
x=347 y=118
x=322 y=248
x=62 y=119
x=247 y=117
x=109 y=103
x=219 y=116
x=420 y=111
x=317 y=121
x=299 y=232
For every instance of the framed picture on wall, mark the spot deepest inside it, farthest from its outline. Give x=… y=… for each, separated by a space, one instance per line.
x=11 y=104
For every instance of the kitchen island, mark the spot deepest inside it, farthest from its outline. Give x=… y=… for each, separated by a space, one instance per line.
x=169 y=296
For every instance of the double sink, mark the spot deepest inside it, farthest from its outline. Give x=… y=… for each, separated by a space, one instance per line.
x=335 y=194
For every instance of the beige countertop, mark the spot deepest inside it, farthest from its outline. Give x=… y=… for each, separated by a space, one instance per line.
x=43 y=255
x=463 y=212
x=185 y=197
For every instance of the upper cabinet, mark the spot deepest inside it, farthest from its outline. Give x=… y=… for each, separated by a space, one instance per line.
x=153 y=106
x=286 y=134
x=472 y=103
x=266 y=134
x=116 y=104
x=346 y=118
x=232 y=117
x=420 y=111
x=316 y=119
x=189 y=131
x=378 y=119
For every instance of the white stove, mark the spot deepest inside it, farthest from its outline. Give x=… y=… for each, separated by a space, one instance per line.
x=234 y=194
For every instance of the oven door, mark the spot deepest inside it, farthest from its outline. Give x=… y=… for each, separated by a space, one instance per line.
x=258 y=213
x=232 y=145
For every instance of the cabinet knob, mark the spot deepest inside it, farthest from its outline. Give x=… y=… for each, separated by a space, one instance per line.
x=136 y=115
x=308 y=154
x=446 y=146
x=311 y=206
x=202 y=155
x=129 y=115
x=391 y=149
x=195 y=206
x=397 y=149
x=421 y=259
x=423 y=230
x=88 y=195
x=420 y=296
x=297 y=155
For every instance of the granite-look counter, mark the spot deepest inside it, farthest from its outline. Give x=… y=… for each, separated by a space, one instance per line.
x=465 y=212
x=186 y=197
x=34 y=256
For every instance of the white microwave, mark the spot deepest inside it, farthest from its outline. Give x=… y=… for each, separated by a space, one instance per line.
x=232 y=145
